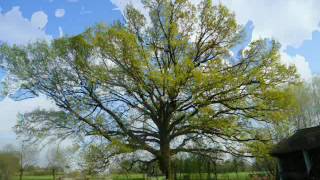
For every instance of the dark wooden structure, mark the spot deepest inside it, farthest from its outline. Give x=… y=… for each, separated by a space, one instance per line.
x=299 y=155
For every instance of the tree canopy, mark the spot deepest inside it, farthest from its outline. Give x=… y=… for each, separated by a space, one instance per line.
x=307 y=96
x=157 y=84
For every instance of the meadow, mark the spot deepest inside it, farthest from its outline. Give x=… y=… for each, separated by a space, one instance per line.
x=194 y=176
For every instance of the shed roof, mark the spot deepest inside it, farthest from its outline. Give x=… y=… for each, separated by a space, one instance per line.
x=303 y=139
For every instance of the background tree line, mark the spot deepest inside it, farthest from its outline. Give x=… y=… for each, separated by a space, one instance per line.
x=308 y=96
x=24 y=160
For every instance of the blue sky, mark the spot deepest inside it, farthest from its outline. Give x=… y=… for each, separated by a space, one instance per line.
x=310 y=49
x=294 y=23
x=70 y=16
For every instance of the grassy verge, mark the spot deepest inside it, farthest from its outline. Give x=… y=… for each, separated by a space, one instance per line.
x=35 y=178
x=194 y=176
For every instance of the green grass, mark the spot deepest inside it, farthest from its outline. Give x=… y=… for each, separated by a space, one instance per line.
x=194 y=176
x=35 y=178
x=129 y=176
x=240 y=176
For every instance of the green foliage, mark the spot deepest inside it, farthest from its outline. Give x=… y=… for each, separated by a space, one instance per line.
x=97 y=157
x=307 y=95
x=9 y=164
x=57 y=160
x=151 y=85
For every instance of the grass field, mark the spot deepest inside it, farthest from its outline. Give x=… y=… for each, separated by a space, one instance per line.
x=224 y=176
x=35 y=178
x=221 y=176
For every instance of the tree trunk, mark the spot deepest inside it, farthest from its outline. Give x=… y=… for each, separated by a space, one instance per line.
x=198 y=162
x=54 y=174
x=165 y=166
x=7 y=174
x=165 y=154
x=209 y=170
x=199 y=167
x=164 y=161
x=174 y=170
x=215 y=170
x=21 y=163
x=20 y=174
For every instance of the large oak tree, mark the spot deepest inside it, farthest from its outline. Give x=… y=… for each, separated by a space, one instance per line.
x=158 y=84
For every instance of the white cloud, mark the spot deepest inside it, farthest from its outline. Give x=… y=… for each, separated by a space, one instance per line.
x=7 y=138
x=9 y=110
x=303 y=68
x=60 y=31
x=84 y=11
x=15 y=29
x=121 y=5
x=288 y=21
x=39 y=19
x=59 y=13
